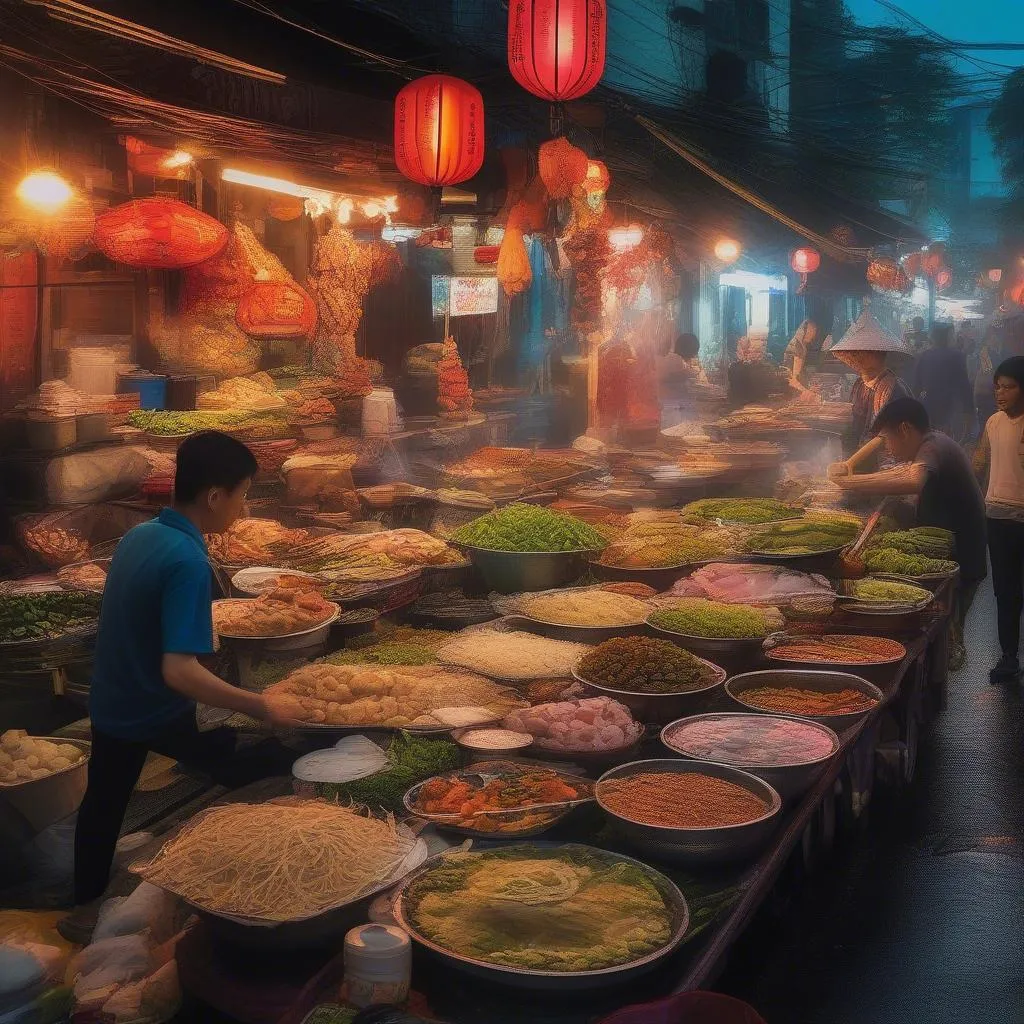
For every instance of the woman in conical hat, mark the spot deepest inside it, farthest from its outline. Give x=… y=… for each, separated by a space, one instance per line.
x=866 y=348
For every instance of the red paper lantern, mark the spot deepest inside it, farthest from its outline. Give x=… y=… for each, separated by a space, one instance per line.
x=887 y=275
x=556 y=48
x=271 y=309
x=439 y=131
x=805 y=260
x=1015 y=293
x=995 y=275
x=164 y=234
x=156 y=161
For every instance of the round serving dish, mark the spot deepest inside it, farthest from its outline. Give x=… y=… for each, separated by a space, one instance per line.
x=657 y=708
x=660 y=579
x=772 y=648
x=805 y=560
x=822 y=682
x=730 y=651
x=514 y=572
x=696 y=846
x=554 y=981
x=252 y=582
x=789 y=780
x=297 y=640
x=575 y=634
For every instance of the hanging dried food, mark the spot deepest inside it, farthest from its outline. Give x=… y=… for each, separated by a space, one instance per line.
x=562 y=166
x=206 y=341
x=589 y=252
x=888 y=276
x=530 y=213
x=453 y=394
x=339 y=281
x=385 y=263
x=276 y=310
x=514 y=262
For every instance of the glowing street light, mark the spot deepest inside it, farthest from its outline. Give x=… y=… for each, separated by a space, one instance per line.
x=727 y=250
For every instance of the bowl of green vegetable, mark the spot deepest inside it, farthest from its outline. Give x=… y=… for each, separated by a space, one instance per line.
x=656 y=679
x=524 y=547
x=727 y=634
x=29 y=621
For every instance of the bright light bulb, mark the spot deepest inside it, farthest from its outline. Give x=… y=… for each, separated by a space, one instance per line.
x=626 y=238
x=179 y=158
x=344 y=210
x=727 y=250
x=44 y=190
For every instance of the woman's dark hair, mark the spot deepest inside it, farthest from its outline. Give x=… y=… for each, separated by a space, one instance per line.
x=211 y=459
x=902 y=410
x=1012 y=368
x=687 y=346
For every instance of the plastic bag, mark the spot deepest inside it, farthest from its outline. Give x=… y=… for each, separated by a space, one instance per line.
x=100 y=475
x=148 y=909
x=109 y=962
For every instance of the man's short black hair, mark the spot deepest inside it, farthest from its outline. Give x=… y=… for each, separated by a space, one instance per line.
x=211 y=459
x=687 y=346
x=1012 y=368
x=902 y=410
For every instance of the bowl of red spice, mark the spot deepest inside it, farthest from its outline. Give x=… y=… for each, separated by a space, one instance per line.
x=689 y=812
x=835 y=699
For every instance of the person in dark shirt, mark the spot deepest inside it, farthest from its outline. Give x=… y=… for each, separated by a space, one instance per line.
x=942 y=383
x=156 y=621
x=936 y=469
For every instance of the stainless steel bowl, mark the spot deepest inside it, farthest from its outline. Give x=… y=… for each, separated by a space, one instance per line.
x=515 y=572
x=660 y=579
x=556 y=981
x=788 y=780
x=697 y=846
x=658 y=708
x=575 y=634
x=729 y=651
x=822 y=682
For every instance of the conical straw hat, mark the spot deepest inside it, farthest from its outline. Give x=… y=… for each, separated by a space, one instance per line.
x=866 y=335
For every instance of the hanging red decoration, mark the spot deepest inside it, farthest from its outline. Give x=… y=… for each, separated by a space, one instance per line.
x=598 y=179
x=156 y=161
x=934 y=260
x=1015 y=293
x=995 y=275
x=562 y=166
x=805 y=260
x=943 y=278
x=439 y=131
x=159 y=233
x=276 y=309
x=556 y=48
x=19 y=305
x=887 y=276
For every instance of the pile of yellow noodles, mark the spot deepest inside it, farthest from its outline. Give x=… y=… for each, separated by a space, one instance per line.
x=279 y=861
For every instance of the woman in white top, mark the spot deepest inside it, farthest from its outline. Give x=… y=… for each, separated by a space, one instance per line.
x=1001 y=452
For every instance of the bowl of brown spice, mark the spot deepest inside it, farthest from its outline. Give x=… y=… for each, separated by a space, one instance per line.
x=689 y=812
x=835 y=699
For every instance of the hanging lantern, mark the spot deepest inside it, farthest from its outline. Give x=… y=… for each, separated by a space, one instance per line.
x=886 y=275
x=556 y=48
x=1015 y=293
x=276 y=309
x=912 y=265
x=164 y=234
x=995 y=275
x=156 y=161
x=439 y=131
x=934 y=260
x=943 y=279
x=805 y=260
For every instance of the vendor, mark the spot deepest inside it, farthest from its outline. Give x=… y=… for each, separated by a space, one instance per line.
x=156 y=621
x=800 y=347
x=678 y=370
x=866 y=348
x=936 y=469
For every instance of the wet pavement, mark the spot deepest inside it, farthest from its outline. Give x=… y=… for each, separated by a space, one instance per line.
x=919 y=919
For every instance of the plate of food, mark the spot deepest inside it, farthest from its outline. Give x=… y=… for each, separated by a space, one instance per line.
x=545 y=916
x=277 y=615
x=501 y=798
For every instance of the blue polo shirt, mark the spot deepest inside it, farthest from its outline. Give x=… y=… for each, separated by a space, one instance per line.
x=157 y=601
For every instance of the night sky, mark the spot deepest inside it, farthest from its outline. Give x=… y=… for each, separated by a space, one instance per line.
x=981 y=21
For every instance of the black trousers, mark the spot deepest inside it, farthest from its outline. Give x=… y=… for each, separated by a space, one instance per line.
x=1006 y=548
x=114 y=769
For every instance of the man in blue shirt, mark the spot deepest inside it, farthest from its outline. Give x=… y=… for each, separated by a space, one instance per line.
x=155 y=623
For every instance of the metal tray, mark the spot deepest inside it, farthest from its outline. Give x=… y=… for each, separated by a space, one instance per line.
x=557 y=981
x=658 y=708
x=286 y=641
x=827 y=666
x=788 y=780
x=730 y=650
x=697 y=846
x=824 y=682
x=575 y=634
x=492 y=770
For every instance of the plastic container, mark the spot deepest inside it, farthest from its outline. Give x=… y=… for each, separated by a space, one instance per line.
x=150 y=387
x=51 y=433
x=92 y=427
x=380 y=412
x=93 y=370
x=378 y=965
